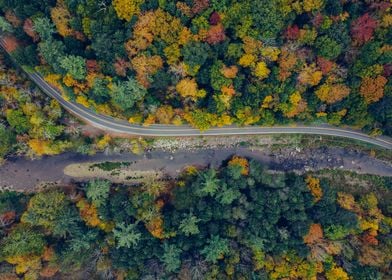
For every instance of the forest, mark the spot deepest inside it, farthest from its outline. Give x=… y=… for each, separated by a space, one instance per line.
x=212 y=62
x=33 y=125
x=238 y=221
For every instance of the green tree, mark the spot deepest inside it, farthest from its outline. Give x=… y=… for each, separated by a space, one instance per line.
x=126 y=235
x=328 y=47
x=52 y=51
x=46 y=209
x=18 y=121
x=7 y=140
x=195 y=53
x=188 y=226
x=268 y=17
x=75 y=66
x=209 y=183
x=126 y=94
x=171 y=257
x=5 y=26
x=215 y=249
x=217 y=79
x=51 y=131
x=22 y=241
x=336 y=232
x=80 y=250
x=100 y=91
x=67 y=223
x=44 y=27
x=26 y=55
x=97 y=191
x=228 y=194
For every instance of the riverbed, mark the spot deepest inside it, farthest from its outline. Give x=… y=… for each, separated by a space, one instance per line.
x=24 y=174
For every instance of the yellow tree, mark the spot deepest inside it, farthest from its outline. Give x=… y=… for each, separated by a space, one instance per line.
x=172 y=54
x=332 y=93
x=41 y=147
x=188 y=88
x=89 y=215
x=125 y=9
x=145 y=66
x=261 y=70
x=310 y=75
x=271 y=53
x=314 y=187
x=246 y=116
x=251 y=45
x=61 y=17
x=247 y=60
x=297 y=105
x=152 y=25
x=142 y=34
x=336 y=273
x=166 y=27
x=312 y=5
x=164 y=114
x=267 y=102
x=372 y=89
x=200 y=119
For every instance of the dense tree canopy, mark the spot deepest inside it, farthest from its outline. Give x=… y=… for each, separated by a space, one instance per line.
x=214 y=62
x=33 y=124
x=240 y=221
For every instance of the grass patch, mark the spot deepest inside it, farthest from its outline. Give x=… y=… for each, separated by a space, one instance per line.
x=110 y=165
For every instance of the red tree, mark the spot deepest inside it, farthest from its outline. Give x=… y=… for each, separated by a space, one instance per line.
x=325 y=65
x=199 y=6
x=362 y=29
x=92 y=65
x=29 y=30
x=7 y=218
x=292 y=32
x=387 y=70
x=318 y=20
x=121 y=66
x=216 y=34
x=215 y=18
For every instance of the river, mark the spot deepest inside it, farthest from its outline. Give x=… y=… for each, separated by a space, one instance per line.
x=25 y=174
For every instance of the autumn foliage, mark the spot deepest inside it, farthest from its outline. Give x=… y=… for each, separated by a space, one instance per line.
x=61 y=17
x=125 y=9
x=214 y=62
x=314 y=235
x=242 y=162
x=372 y=89
x=332 y=93
x=215 y=34
x=362 y=28
x=314 y=187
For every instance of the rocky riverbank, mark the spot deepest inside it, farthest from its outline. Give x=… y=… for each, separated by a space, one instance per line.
x=24 y=174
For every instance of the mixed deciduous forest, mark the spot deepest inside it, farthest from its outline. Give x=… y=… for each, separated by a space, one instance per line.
x=32 y=124
x=213 y=62
x=240 y=221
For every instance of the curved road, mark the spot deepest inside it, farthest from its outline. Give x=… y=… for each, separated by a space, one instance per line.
x=118 y=126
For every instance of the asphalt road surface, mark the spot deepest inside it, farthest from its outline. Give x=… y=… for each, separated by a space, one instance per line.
x=117 y=126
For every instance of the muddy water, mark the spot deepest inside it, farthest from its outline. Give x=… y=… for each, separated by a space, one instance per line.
x=23 y=174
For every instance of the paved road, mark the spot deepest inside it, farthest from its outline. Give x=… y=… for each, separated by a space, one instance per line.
x=118 y=126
